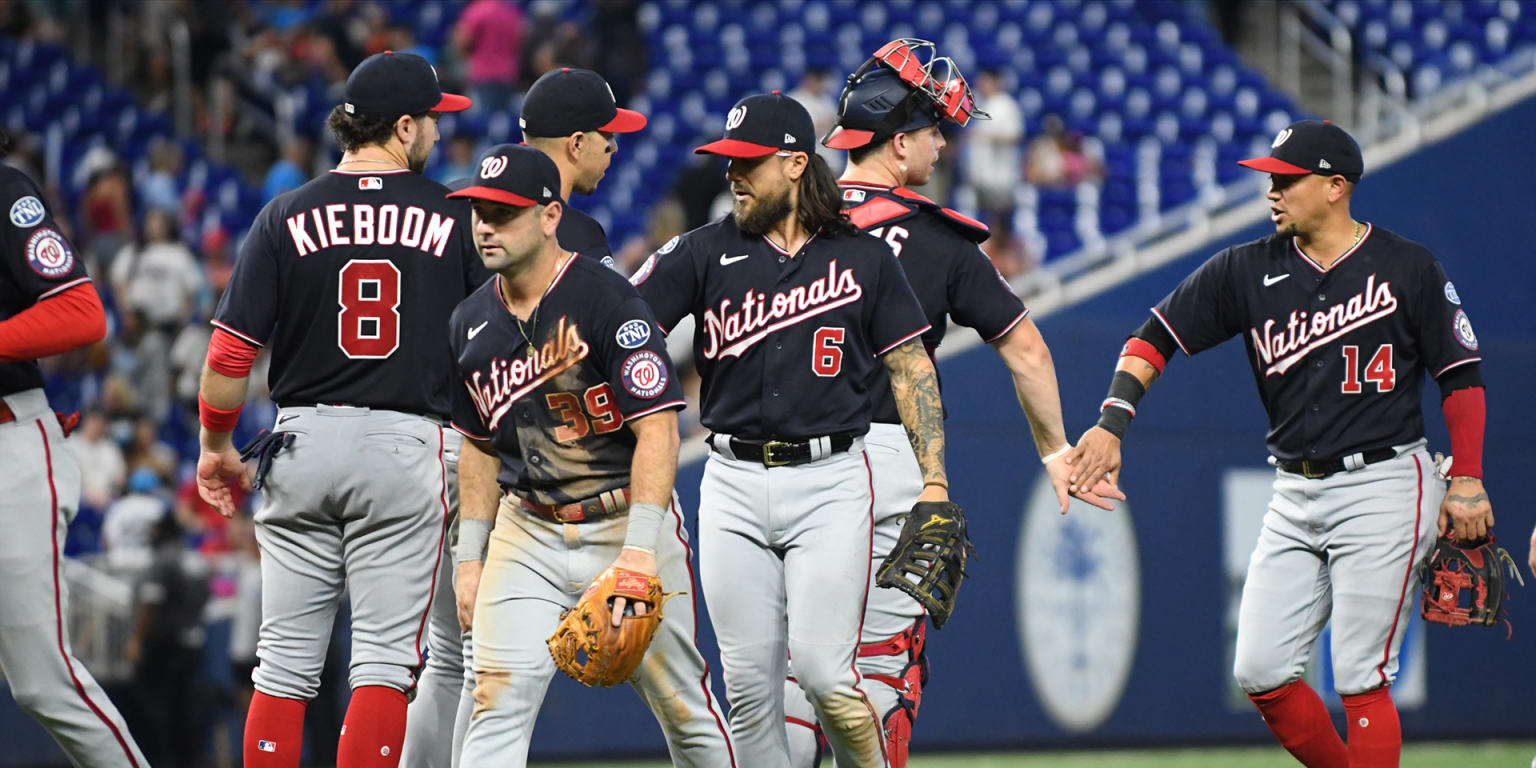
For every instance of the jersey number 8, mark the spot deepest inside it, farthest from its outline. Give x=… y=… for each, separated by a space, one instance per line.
x=368 y=325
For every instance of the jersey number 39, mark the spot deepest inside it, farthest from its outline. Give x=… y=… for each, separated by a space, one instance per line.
x=368 y=324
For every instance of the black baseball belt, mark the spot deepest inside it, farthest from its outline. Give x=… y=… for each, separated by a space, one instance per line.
x=781 y=453
x=1316 y=469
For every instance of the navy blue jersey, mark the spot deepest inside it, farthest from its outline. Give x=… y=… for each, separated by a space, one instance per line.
x=36 y=262
x=582 y=234
x=350 y=280
x=1339 y=356
x=940 y=255
x=785 y=343
x=556 y=410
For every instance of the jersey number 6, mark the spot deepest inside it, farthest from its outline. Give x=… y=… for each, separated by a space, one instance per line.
x=826 y=354
x=368 y=325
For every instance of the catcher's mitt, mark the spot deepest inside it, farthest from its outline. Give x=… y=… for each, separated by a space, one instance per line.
x=1464 y=583
x=928 y=561
x=589 y=648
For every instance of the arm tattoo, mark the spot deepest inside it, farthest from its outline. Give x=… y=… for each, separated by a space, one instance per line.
x=915 y=386
x=1470 y=501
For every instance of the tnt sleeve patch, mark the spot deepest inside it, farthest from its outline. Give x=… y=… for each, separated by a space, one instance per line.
x=49 y=254
x=644 y=374
x=1462 y=327
x=27 y=212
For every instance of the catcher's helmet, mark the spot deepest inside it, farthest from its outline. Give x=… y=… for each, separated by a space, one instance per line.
x=877 y=106
x=903 y=87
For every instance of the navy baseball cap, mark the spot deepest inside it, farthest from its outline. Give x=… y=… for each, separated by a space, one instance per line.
x=761 y=125
x=514 y=174
x=387 y=85
x=568 y=100
x=1311 y=146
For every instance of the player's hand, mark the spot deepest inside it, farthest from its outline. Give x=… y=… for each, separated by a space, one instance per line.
x=1531 y=559
x=466 y=584
x=1060 y=473
x=217 y=472
x=1095 y=457
x=1466 y=510
x=934 y=492
x=640 y=561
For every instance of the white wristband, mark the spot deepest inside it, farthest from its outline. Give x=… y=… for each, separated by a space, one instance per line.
x=474 y=540
x=644 y=526
x=1056 y=454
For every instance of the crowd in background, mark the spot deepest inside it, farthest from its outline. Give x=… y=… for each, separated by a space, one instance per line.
x=140 y=515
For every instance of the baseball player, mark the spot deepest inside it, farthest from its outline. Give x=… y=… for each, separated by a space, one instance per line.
x=47 y=306
x=350 y=281
x=571 y=116
x=1341 y=319
x=570 y=405
x=889 y=123
x=794 y=310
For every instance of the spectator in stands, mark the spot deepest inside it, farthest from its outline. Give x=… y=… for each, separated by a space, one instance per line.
x=1056 y=157
x=125 y=528
x=665 y=221
x=335 y=23
x=187 y=353
x=165 y=649
x=489 y=35
x=146 y=451
x=814 y=94
x=458 y=161
x=210 y=531
x=290 y=171
x=620 y=45
x=159 y=188
x=992 y=156
x=96 y=451
x=245 y=625
x=106 y=214
x=139 y=370
x=1006 y=250
x=157 y=275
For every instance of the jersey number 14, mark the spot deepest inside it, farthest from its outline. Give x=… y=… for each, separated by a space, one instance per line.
x=1378 y=371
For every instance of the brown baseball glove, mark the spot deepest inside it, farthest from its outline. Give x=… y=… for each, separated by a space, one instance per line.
x=589 y=648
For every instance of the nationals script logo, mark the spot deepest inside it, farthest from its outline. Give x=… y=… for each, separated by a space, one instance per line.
x=510 y=380
x=1306 y=331
x=734 y=332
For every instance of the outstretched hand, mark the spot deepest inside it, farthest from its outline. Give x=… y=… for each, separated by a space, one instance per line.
x=1096 y=457
x=1101 y=495
x=217 y=472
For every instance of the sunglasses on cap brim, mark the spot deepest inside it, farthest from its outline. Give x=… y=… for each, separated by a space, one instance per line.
x=918 y=64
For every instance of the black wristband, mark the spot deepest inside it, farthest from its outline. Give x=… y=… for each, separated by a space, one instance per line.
x=1119 y=407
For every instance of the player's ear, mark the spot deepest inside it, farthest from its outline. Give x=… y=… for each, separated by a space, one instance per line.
x=796 y=165
x=549 y=218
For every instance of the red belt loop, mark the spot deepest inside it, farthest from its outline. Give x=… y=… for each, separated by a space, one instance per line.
x=909 y=640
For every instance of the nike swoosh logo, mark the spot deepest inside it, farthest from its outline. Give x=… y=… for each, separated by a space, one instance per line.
x=476 y=330
x=1268 y=281
x=289 y=417
x=724 y=262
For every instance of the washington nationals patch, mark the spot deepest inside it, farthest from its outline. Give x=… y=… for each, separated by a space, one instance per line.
x=48 y=254
x=1463 y=328
x=644 y=374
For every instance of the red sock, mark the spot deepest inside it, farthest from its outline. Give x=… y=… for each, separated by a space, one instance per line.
x=1301 y=723
x=274 y=732
x=374 y=729
x=1375 y=734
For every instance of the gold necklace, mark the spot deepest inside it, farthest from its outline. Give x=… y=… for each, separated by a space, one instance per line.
x=533 y=317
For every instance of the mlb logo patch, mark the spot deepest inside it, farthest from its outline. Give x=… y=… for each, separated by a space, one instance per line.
x=853 y=195
x=370 y=183
x=266 y=746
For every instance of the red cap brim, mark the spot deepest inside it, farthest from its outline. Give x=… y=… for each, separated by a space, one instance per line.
x=452 y=102
x=626 y=121
x=847 y=138
x=735 y=148
x=1273 y=165
x=494 y=195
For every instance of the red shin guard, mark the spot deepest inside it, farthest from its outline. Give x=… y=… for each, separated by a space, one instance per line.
x=274 y=732
x=374 y=729
x=1375 y=734
x=1301 y=723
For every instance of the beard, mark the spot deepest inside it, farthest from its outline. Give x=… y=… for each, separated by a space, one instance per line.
x=416 y=154
x=762 y=213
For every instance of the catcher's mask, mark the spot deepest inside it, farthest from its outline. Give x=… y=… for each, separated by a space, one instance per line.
x=905 y=86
